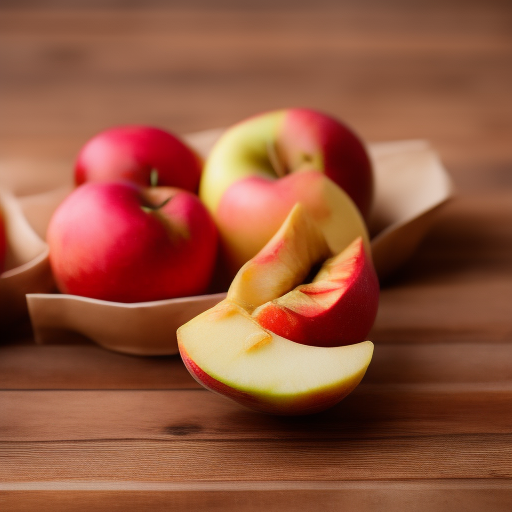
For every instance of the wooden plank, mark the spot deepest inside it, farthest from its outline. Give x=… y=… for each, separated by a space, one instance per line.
x=382 y=411
x=458 y=286
x=87 y=366
x=30 y=366
x=421 y=496
x=440 y=457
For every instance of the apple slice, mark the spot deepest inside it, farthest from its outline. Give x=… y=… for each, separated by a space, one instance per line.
x=337 y=308
x=228 y=352
x=282 y=264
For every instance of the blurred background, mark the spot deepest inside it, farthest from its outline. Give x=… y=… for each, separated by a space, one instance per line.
x=438 y=69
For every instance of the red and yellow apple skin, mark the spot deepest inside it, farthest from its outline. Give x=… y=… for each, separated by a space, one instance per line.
x=118 y=242
x=282 y=142
x=252 y=210
x=132 y=153
x=337 y=308
x=314 y=140
x=261 y=167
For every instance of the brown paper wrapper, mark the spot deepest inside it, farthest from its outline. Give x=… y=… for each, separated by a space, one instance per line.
x=146 y=328
x=411 y=185
x=26 y=269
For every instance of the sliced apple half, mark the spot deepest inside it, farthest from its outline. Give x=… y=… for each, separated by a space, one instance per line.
x=228 y=352
x=337 y=308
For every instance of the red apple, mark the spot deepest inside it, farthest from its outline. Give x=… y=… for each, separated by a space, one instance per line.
x=118 y=242
x=313 y=140
x=261 y=167
x=140 y=154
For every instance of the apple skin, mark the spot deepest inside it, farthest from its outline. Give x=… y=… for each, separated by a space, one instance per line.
x=132 y=152
x=254 y=208
x=342 y=155
x=338 y=308
x=107 y=242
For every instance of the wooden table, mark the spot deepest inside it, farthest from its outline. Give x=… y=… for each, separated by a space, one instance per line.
x=430 y=427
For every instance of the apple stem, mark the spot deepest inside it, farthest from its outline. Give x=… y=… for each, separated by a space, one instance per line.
x=153 y=177
x=149 y=209
x=275 y=161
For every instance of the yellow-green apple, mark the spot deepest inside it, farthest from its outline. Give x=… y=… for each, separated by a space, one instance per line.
x=230 y=352
x=261 y=167
x=118 y=242
x=141 y=154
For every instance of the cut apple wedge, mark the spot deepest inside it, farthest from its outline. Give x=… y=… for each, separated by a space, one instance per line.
x=284 y=262
x=337 y=308
x=228 y=352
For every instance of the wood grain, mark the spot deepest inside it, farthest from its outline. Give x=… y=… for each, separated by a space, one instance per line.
x=449 y=456
x=372 y=412
x=430 y=427
x=420 y=496
x=434 y=70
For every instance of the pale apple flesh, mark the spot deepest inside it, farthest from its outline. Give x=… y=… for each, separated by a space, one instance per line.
x=227 y=351
x=337 y=308
x=282 y=264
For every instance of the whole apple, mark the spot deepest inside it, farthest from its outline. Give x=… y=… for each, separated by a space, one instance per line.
x=118 y=242
x=282 y=142
x=261 y=167
x=141 y=154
